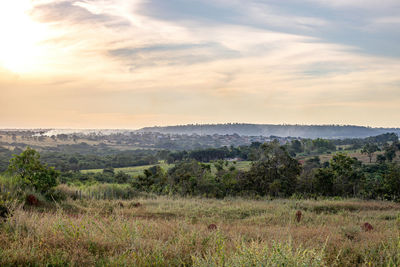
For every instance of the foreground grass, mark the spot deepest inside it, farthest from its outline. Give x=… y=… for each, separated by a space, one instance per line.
x=174 y=232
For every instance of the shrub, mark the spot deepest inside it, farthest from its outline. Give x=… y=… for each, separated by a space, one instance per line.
x=4 y=212
x=55 y=194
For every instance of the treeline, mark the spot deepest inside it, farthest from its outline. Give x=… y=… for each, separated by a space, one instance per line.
x=356 y=143
x=294 y=147
x=82 y=156
x=78 y=142
x=108 y=175
x=301 y=131
x=191 y=177
x=277 y=174
x=79 y=161
x=273 y=172
x=75 y=162
x=251 y=152
x=319 y=145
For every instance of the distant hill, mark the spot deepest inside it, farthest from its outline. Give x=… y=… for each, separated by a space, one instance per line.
x=304 y=131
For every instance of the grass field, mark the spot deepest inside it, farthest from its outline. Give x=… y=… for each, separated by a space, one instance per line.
x=134 y=171
x=138 y=170
x=352 y=153
x=174 y=232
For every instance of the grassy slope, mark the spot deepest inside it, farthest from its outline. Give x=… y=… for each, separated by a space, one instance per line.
x=352 y=153
x=173 y=231
x=137 y=170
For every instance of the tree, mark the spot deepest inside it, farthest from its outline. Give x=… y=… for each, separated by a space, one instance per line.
x=369 y=149
x=380 y=159
x=390 y=152
x=392 y=182
x=305 y=182
x=323 y=145
x=347 y=174
x=32 y=172
x=73 y=163
x=184 y=177
x=275 y=173
x=122 y=177
x=323 y=181
x=296 y=146
x=153 y=180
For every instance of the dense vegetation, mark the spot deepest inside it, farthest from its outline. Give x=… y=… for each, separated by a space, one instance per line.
x=275 y=173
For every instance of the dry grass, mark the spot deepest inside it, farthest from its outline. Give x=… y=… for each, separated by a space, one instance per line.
x=174 y=232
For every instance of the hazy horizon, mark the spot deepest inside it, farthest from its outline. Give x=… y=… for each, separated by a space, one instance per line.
x=198 y=124
x=128 y=64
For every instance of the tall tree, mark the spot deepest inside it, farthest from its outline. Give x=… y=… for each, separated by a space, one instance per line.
x=369 y=149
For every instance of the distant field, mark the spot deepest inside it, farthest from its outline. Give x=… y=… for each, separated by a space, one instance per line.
x=352 y=153
x=138 y=170
x=135 y=170
x=243 y=165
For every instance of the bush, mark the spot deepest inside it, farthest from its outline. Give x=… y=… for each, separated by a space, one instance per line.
x=55 y=194
x=4 y=212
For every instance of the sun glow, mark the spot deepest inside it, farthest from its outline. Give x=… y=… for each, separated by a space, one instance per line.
x=20 y=49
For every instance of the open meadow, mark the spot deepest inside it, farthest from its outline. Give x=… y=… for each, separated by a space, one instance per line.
x=167 y=231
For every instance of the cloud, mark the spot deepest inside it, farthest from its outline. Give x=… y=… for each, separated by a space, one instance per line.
x=70 y=11
x=364 y=4
x=114 y=63
x=251 y=13
x=389 y=23
x=168 y=54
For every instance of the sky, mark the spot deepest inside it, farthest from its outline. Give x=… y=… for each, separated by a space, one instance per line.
x=135 y=63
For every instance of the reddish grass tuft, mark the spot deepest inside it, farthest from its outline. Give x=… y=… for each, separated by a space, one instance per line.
x=298 y=216
x=32 y=200
x=212 y=227
x=367 y=227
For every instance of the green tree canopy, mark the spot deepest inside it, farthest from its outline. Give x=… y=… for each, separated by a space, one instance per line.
x=369 y=149
x=32 y=172
x=275 y=173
